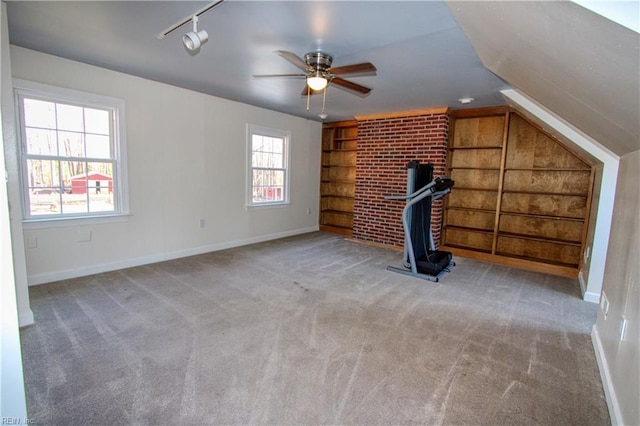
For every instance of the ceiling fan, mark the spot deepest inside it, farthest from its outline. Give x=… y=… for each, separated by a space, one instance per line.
x=318 y=73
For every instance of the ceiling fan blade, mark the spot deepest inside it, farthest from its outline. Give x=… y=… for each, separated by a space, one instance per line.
x=365 y=68
x=279 y=75
x=294 y=59
x=351 y=86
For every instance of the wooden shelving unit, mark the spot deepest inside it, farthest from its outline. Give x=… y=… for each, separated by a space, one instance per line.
x=474 y=163
x=338 y=179
x=521 y=198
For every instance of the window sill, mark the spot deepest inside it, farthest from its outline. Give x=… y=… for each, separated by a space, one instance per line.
x=64 y=222
x=266 y=206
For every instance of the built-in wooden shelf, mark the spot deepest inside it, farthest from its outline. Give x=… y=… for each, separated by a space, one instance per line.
x=520 y=198
x=339 y=149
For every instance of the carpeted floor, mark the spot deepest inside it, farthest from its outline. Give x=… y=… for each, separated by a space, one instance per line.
x=311 y=330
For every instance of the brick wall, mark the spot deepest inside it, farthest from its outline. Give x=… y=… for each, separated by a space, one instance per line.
x=385 y=146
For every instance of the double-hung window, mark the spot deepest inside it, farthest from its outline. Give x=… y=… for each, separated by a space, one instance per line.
x=268 y=166
x=72 y=153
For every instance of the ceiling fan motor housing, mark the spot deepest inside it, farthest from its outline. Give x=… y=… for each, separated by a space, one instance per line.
x=318 y=61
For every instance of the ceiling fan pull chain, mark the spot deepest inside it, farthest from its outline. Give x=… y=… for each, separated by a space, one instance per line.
x=308 y=96
x=323 y=114
x=324 y=97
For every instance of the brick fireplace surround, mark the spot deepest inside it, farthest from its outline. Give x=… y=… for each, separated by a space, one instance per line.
x=385 y=145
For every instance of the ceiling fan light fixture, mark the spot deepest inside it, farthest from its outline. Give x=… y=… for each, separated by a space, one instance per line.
x=317 y=81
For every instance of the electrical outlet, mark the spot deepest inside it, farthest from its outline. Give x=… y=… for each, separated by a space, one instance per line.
x=83 y=236
x=203 y=223
x=308 y=210
x=32 y=242
x=604 y=304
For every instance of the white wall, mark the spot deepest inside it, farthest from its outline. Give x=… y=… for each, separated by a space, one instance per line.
x=12 y=397
x=186 y=162
x=619 y=359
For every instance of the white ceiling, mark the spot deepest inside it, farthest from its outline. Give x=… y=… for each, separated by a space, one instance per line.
x=423 y=57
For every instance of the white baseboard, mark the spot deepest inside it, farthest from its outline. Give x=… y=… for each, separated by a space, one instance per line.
x=591 y=297
x=161 y=257
x=587 y=296
x=25 y=317
x=605 y=376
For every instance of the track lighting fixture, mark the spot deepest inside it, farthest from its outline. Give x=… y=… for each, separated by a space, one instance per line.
x=194 y=39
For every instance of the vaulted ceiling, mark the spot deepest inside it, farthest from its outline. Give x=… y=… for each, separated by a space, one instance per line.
x=580 y=65
x=427 y=53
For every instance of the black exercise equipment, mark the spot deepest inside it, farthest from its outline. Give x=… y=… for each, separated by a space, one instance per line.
x=420 y=257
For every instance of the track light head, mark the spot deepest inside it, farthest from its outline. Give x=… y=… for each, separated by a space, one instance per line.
x=194 y=39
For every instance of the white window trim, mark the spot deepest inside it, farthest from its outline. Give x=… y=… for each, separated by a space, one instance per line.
x=62 y=94
x=277 y=133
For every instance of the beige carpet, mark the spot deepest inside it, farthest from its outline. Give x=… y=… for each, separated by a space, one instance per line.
x=311 y=330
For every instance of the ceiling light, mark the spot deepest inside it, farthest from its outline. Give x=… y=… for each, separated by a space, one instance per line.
x=465 y=100
x=186 y=20
x=194 y=39
x=317 y=81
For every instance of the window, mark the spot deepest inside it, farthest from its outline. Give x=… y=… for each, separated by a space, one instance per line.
x=72 y=155
x=268 y=171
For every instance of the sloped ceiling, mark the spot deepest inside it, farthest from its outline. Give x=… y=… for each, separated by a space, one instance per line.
x=581 y=66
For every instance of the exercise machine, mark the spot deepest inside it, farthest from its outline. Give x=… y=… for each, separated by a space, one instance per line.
x=420 y=258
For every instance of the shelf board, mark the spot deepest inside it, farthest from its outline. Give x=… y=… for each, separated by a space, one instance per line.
x=546 y=169
x=542 y=216
x=338 y=181
x=342 y=197
x=336 y=229
x=539 y=261
x=344 y=212
x=470 y=209
x=471 y=249
x=341 y=150
x=352 y=166
x=539 y=239
x=353 y=138
x=508 y=213
x=465 y=188
x=497 y=169
x=536 y=265
x=512 y=235
x=475 y=147
x=469 y=229
x=566 y=194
